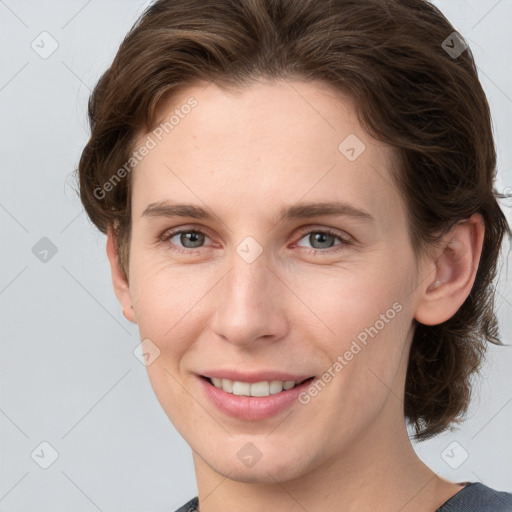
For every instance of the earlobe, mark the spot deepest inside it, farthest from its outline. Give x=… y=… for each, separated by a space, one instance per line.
x=452 y=273
x=119 y=281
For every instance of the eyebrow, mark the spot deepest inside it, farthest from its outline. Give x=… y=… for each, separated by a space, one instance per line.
x=298 y=211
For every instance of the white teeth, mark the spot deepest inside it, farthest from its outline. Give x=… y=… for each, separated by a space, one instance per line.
x=276 y=386
x=241 y=388
x=263 y=388
x=227 y=385
x=260 y=388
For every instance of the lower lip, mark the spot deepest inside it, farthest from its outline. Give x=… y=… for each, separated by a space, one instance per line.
x=252 y=408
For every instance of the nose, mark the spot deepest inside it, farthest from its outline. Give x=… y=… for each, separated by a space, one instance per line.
x=251 y=303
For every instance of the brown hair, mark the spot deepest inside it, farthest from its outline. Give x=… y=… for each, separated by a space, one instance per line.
x=389 y=57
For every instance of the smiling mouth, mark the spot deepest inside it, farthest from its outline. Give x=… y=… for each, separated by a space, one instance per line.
x=256 y=389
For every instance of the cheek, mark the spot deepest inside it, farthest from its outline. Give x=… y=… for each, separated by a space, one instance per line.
x=368 y=315
x=352 y=303
x=164 y=295
x=168 y=307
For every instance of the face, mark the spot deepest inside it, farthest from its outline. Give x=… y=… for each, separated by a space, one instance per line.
x=231 y=289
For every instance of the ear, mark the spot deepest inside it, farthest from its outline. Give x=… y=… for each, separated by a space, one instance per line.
x=121 y=286
x=452 y=273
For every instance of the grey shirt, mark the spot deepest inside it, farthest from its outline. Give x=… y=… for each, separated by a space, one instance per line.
x=474 y=497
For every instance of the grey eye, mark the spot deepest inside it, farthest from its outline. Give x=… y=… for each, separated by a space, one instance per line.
x=320 y=240
x=190 y=239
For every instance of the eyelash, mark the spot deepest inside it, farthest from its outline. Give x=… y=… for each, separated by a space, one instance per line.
x=166 y=236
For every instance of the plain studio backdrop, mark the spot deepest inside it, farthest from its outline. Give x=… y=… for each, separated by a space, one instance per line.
x=81 y=427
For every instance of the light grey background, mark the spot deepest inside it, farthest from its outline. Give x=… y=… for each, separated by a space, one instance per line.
x=68 y=373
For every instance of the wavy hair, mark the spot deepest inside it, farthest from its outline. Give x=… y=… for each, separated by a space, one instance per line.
x=391 y=57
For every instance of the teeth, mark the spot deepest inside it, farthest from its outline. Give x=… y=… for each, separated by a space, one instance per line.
x=241 y=388
x=260 y=388
x=263 y=388
x=276 y=386
x=227 y=385
x=289 y=384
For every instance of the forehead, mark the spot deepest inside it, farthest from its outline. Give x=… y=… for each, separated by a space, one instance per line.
x=265 y=145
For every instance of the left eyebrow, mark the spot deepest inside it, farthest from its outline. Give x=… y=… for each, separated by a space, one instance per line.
x=298 y=211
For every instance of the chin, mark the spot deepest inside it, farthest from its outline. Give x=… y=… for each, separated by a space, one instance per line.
x=263 y=473
x=269 y=469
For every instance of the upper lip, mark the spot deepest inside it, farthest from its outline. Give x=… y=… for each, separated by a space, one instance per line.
x=252 y=376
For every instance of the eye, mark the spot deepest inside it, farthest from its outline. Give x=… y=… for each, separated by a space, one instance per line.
x=323 y=239
x=188 y=238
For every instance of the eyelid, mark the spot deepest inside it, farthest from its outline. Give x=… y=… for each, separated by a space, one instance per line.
x=171 y=232
x=342 y=235
x=346 y=241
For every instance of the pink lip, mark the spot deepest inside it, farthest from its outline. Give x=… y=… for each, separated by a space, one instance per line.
x=252 y=408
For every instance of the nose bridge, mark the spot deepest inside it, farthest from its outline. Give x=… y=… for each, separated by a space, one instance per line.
x=249 y=281
x=247 y=306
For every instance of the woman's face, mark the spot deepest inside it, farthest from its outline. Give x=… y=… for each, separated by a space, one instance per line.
x=247 y=293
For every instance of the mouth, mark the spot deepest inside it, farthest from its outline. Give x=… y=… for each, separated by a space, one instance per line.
x=254 y=389
x=252 y=401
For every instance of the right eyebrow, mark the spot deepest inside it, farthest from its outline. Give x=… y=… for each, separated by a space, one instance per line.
x=164 y=209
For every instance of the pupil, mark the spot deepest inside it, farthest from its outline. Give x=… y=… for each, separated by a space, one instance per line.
x=321 y=238
x=194 y=238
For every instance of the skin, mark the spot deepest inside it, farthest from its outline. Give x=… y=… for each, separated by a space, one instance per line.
x=243 y=155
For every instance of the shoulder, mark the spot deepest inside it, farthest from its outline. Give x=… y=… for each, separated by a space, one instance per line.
x=477 y=497
x=190 y=506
